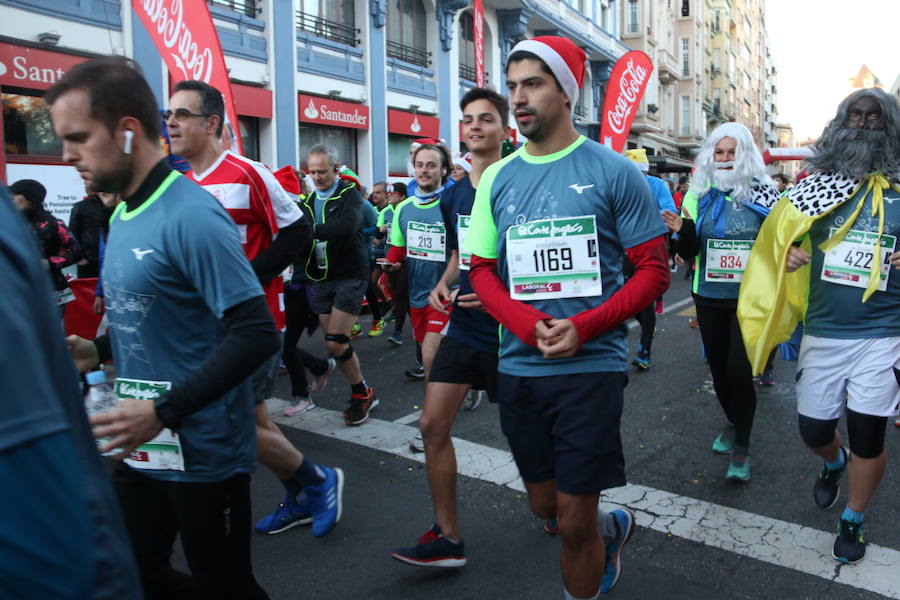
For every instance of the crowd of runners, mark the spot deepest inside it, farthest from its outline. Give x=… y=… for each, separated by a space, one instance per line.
x=210 y=277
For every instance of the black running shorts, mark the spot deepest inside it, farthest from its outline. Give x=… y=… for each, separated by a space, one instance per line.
x=565 y=427
x=456 y=362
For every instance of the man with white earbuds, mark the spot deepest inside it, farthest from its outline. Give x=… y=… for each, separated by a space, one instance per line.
x=188 y=324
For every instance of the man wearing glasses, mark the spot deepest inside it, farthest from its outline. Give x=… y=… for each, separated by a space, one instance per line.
x=273 y=232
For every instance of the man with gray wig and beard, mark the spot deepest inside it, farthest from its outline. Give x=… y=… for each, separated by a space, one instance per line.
x=827 y=255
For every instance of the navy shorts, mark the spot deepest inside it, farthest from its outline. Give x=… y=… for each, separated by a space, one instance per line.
x=565 y=427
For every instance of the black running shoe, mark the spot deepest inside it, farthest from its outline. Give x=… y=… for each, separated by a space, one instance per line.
x=360 y=406
x=827 y=486
x=850 y=545
x=433 y=550
x=417 y=372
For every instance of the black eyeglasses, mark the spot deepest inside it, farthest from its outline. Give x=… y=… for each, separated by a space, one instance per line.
x=181 y=114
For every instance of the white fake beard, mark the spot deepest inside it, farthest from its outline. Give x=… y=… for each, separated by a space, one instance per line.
x=725 y=179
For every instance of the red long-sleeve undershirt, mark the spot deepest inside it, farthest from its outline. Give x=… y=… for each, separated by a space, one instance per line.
x=651 y=278
x=396 y=254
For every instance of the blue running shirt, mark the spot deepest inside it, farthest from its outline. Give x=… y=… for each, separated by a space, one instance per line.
x=416 y=226
x=173 y=266
x=836 y=310
x=582 y=180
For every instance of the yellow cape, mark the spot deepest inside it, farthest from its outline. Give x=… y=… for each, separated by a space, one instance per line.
x=772 y=301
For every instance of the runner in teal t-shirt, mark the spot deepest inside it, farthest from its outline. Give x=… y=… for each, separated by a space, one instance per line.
x=549 y=228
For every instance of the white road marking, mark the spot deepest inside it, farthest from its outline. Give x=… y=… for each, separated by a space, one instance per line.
x=755 y=536
x=410 y=418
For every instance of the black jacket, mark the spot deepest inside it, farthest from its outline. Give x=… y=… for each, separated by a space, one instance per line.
x=346 y=254
x=88 y=219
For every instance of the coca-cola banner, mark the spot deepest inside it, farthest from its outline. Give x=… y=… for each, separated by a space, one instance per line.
x=479 y=43
x=333 y=112
x=185 y=37
x=408 y=123
x=626 y=87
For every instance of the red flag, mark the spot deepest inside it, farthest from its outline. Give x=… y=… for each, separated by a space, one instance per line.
x=184 y=34
x=479 y=44
x=626 y=87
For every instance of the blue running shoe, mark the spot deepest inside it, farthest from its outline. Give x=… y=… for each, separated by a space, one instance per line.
x=325 y=501
x=613 y=570
x=288 y=514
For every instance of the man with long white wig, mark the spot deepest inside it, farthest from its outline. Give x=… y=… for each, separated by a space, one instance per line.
x=728 y=199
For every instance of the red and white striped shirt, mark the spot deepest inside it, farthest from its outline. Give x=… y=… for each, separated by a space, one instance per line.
x=259 y=206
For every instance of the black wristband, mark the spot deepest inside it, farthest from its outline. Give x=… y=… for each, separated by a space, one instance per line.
x=167 y=413
x=104 y=348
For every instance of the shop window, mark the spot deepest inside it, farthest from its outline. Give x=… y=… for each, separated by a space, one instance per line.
x=406 y=39
x=342 y=140
x=27 y=128
x=250 y=136
x=398 y=154
x=330 y=19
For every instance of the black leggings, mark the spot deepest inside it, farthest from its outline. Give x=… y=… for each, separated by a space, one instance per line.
x=372 y=299
x=731 y=372
x=399 y=283
x=213 y=521
x=647 y=320
x=298 y=317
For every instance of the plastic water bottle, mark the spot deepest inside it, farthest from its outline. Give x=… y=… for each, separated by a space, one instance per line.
x=100 y=398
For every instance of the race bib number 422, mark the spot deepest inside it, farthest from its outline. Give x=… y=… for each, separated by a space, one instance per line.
x=850 y=262
x=553 y=258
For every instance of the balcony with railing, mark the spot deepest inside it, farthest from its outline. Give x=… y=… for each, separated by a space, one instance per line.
x=669 y=67
x=409 y=54
x=468 y=73
x=581 y=112
x=327 y=29
x=244 y=7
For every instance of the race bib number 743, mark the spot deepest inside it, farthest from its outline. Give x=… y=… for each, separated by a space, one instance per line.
x=553 y=258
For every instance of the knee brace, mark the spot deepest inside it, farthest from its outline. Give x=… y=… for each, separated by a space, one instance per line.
x=337 y=338
x=816 y=433
x=866 y=433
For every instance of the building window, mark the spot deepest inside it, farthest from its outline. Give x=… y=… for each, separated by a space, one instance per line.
x=342 y=140
x=685 y=115
x=245 y=7
x=633 y=16
x=406 y=39
x=398 y=154
x=250 y=136
x=330 y=19
x=604 y=17
x=717 y=101
x=686 y=57
x=27 y=128
x=685 y=8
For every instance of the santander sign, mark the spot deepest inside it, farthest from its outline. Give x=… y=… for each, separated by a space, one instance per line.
x=626 y=87
x=333 y=112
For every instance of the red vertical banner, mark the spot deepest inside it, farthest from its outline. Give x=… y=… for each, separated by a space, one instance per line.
x=626 y=88
x=185 y=37
x=479 y=43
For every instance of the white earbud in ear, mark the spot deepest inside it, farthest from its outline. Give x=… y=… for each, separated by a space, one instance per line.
x=129 y=136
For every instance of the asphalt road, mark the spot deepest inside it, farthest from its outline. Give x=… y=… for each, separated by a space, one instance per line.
x=670 y=421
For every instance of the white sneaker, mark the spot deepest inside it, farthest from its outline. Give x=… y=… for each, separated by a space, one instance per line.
x=322 y=379
x=417 y=444
x=299 y=406
x=473 y=399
